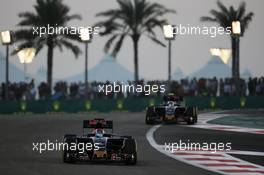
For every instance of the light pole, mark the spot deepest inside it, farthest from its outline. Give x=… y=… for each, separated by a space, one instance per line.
x=168 y=31
x=86 y=38
x=236 y=33
x=26 y=56
x=6 y=40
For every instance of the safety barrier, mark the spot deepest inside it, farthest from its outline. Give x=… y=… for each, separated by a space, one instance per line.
x=129 y=104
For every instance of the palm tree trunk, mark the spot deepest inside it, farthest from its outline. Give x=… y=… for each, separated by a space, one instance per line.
x=233 y=42
x=237 y=81
x=237 y=71
x=235 y=63
x=86 y=69
x=135 y=42
x=7 y=74
x=169 y=62
x=50 y=64
x=235 y=57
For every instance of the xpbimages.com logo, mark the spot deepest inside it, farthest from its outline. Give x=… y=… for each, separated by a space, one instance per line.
x=121 y=87
x=62 y=30
x=41 y=147
x=212 y=147
x=171 y=30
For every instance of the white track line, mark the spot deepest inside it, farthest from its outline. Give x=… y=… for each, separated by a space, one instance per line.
x=203 y=120
x=220 y=162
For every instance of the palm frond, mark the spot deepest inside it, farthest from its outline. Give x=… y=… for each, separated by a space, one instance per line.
x=118 y=45
x=72 y=17
x=208 y=19
x=155 y=40
x=47 y=12
x=226 y=16
x=74 y=48
x=246 y=20
x=109 y=42
x=24 y=34
x=132 y=18
x=29 y=19
x=222 y=7
x=241 y=10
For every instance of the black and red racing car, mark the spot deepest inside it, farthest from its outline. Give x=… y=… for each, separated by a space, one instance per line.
x=98 y=145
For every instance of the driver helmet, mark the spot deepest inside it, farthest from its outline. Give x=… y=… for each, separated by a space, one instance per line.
x=99 y=133
x=170 y=103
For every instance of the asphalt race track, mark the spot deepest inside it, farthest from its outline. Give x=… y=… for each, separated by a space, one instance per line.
x=18 y=132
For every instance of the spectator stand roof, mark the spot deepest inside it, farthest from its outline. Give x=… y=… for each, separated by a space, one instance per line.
x=177 y=74
x=107 y=70
x=215 y=67
x=246 y=74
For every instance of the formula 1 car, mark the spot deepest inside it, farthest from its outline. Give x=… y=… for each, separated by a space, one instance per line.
x=98 y=145
x=171 y=111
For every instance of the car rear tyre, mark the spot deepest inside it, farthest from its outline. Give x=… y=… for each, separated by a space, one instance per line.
x=130 y=148
x=192 y=114
x=150 y=115
x=67 y=156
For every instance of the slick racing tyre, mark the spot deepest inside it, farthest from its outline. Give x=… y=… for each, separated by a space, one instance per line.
x=150 y=116
x=67 y=155
x=191 y=112
x=130 y=149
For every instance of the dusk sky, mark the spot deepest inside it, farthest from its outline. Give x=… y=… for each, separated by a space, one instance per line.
x=189 y=52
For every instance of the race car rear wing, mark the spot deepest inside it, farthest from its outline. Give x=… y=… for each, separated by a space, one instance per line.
x=98 y=123
x=173 y=98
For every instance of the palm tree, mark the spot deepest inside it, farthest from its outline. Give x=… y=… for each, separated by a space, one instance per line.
x=224 y=17
x=52 y=13
x=132 y=18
